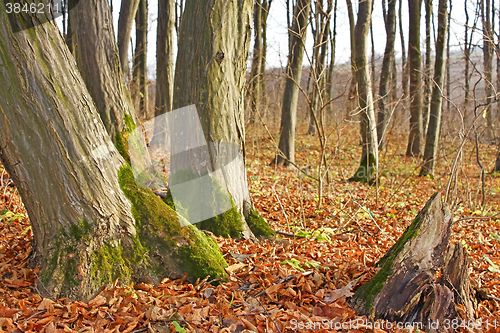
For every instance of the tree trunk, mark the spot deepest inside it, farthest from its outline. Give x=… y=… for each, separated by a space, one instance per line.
x=96 y=54
x=331 y=66
x=210 y=73
x=432 y=139
x=254 y=87
x=427 y=65
x=415 y=138
x=164 y=62
x=318 y=75
x=386 y=75
x=467 y=52
x=404 y=62
x=297 y=38
x=367 y=170
x=266 y=6
x=128 y=11
x=91 y=223
x=488 y=47
x=139 y=87
x=353 y=96
x=408 y=270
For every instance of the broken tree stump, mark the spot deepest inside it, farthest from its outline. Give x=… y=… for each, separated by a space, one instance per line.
x=405 y=289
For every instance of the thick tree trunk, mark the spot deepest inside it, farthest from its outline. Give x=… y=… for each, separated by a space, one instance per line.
x=369 y=158
x=125 y=23
x=408 y=271
x=96 y=54
x=91 y=223
x=139 y=87
x=432 y=138
x=386 y=75
x=415 y=138
x=210 y=73
x=297 y=38
x=164 y=62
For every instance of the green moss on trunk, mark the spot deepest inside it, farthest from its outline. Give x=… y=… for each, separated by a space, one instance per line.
x=171 y=248
x=258 y=225
x=369 y=290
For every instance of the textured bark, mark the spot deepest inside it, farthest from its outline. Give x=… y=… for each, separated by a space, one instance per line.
x=139 y=87
x=415 y=138
x=386 y=75
x=297 y=37
x=353 y=97
x=214 y=43
x=125 y=23
x=71 y=179
x=467 y=52
x=432 y=137
x=96 y=54
x=404 y=62
x=266 y=6
x=164 y=60
x=369 y=158
x=408 y=270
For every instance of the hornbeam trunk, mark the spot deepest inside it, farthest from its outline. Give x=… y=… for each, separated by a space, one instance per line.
x=91 y=223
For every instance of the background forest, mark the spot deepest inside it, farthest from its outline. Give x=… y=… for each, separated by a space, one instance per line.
x=358 y=181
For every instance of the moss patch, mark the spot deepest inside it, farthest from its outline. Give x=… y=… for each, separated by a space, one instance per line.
x=227 y=224
x=121 y=139
x=259 y=225
x=159 y=232
x=108 y=264
x=366 y=170
x=369 y=290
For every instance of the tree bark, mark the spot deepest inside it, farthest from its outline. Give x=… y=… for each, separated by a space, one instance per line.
x=139 y=87
x=367 y=170
x=91 y=223
x=128 y=11
x=408 y=270
x=96 y=54
x=415 y=138
x=331 y=66
x=164 y=62
x=210 y=73
x=297 y=38
x=432 y=137
x=386 y=75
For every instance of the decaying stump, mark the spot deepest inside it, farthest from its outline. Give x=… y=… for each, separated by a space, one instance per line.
x=406 y=289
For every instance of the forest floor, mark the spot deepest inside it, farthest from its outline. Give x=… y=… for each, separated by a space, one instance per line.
x=290 y=283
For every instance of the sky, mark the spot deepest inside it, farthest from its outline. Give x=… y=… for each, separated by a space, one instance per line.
x=278 y=35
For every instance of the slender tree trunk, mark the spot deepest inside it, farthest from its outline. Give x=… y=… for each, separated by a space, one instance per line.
x=297 y=38
x=96 y=54
x=165 y=57
x=404 y=62
x=427 y=65
x=353 y=96
x=415 y=138
x=318 y=74
x=432 y=139
x=77 y=190
x=448 y=69
x=128 y=11
x=488 y=47
x=369 y=159
x=254 y=92
x=467 y=50
x=386 y=75
x=139 y=87
x=266 y=6
x=331 y=66
x=210 y=73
